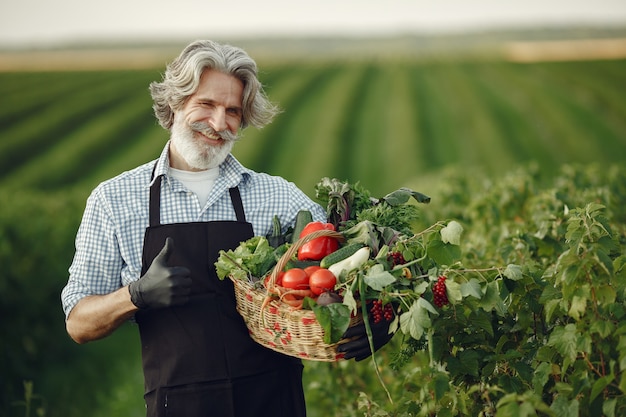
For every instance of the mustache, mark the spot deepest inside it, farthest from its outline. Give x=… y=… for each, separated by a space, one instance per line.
x=206 y=130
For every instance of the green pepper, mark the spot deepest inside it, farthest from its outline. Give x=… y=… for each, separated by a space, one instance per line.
x=317 y=248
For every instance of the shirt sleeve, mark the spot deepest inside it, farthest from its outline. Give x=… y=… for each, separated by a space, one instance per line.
x=266 y=196
x=300 y=201
x=317 y=212
x=96 y=267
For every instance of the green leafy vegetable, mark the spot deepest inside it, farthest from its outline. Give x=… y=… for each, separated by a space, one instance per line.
x=251 y=260
x=342 y=200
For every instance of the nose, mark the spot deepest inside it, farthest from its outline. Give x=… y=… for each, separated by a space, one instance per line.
x=217 y=119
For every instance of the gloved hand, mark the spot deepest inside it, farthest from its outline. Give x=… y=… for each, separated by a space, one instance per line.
x=359 y=347
x=161 y=285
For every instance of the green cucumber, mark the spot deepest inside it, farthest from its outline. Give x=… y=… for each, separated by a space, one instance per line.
x=340 y=254
x=303 y=218
x=276 y=238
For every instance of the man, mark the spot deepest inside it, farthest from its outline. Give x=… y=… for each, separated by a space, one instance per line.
x=149 y=238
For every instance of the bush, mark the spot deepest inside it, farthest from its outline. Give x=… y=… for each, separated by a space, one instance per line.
x=540 y=335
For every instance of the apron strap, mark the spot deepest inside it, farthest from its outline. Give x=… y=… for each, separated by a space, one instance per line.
x=235 y=198
x=155 y=202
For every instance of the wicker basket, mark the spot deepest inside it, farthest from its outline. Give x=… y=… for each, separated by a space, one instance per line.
x=280 y=327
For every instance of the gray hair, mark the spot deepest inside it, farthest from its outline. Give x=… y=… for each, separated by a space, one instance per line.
x=182 y=78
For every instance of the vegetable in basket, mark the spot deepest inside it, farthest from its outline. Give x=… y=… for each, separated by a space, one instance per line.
x=251 y=260
x=320 y=247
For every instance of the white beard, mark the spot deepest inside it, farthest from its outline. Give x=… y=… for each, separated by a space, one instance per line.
x=197 y=154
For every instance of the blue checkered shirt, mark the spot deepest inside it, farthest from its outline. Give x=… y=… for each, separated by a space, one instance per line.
x=109 y=242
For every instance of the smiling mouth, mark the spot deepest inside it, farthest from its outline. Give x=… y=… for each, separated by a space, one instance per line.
x=211 y=137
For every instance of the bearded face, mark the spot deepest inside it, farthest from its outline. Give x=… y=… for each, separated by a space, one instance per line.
x=206 y=126
x=189 y=142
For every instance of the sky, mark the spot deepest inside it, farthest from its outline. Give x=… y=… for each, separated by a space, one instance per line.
x=52 y=22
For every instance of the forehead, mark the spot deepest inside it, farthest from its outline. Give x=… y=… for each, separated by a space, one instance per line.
x=219 y=87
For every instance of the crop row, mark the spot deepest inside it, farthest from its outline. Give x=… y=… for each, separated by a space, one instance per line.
x=379 y=123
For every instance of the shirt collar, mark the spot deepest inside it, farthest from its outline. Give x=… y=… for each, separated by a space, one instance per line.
x=162 y=164
x=232 y=172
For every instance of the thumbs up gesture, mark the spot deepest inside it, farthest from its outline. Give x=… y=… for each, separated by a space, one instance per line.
x=162 y=285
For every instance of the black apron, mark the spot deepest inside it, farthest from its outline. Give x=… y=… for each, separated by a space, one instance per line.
x=198 y=359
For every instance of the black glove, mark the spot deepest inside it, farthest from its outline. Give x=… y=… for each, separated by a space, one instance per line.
x=161 y=285
x=359 y=346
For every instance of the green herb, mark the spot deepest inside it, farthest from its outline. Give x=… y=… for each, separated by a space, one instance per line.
x=347 y=204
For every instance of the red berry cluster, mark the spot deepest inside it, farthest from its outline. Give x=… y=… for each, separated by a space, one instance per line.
x=439 y=292
x=380 y=312
x=396 y=258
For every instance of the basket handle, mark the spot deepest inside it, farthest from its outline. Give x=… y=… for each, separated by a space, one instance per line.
x=293 y=249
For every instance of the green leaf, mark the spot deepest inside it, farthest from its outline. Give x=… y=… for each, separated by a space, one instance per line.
x=378 y=278
x=513 y=272
x=541 y=376
x=605 y=294
x=564 y=341
x=402 y=195
x=608 y=407
x=577 y=307
x=546 y=353
x=424 y=304
x=420 y=287
x=584 y=342
x=416 y=320
x=443 y=253
x=491 y=298
x=471 y=288
x=348 y=299
x=334 y=319
x=507 y=399
x=466 y=363
x=604 y=328
x=621 y=347
x=441 y=385
x=481 y=320
x=622 y=382
x=549 y=293
x=453 y=291
x=563 y=407
x=551 y=307
x=604 y=259
x=452 y=233
x=253 y=257
x=524 y=370
x=599 y=386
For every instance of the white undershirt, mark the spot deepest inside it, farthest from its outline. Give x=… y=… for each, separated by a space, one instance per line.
x=199 y=182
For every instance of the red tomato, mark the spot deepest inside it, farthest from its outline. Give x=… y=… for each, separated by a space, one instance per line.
x=321 y=281
x=296 y=279
x=310 y=269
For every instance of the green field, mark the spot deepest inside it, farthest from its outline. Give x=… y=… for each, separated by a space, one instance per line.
x=383 y=124
x=386 y=124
